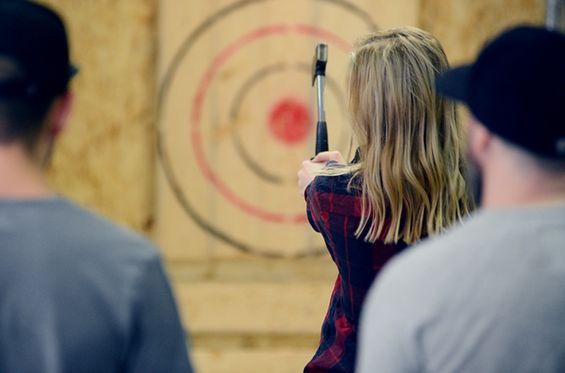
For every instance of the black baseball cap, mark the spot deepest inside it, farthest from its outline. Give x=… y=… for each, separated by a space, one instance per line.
x=516 y=88
x=33 y=37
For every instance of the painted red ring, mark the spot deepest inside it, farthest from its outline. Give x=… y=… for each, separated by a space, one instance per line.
x=198 y=101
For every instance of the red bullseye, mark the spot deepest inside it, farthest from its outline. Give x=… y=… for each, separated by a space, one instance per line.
x=289 y=121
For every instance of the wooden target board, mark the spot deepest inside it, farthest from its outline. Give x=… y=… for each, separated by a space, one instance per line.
x=237 y=116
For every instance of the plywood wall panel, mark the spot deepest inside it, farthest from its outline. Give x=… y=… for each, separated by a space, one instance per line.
x=237 y=118
x=105 y=159
x=254 y=308
x=464 y=26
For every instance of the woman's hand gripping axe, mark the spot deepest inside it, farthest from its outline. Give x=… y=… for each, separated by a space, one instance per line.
x=318 y=78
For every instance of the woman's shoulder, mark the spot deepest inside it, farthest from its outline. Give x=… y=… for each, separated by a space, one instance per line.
x=334 y=184
x=335 y=195
x=346 y=184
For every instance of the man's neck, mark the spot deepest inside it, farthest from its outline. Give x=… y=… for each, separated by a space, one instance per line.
x=503 y=187
x=20 y=177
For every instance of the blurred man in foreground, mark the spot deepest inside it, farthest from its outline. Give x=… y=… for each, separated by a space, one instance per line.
x=489 y=296
x=77 y=293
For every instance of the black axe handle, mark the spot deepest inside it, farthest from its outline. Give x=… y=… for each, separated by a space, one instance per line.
x=318 y=75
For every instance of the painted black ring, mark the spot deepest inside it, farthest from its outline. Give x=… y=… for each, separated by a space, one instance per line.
x=162 y=154
x=238 y=100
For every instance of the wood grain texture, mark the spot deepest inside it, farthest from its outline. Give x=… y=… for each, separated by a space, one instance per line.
x=105 y=158
x=254 y=308
x=286 y=360
x=464 y=26
x=212 y=202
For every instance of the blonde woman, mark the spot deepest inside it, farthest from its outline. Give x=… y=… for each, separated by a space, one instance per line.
x=405 y=184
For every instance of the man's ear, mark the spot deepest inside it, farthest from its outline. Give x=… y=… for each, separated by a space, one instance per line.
x=59 y=115
x=480 y=139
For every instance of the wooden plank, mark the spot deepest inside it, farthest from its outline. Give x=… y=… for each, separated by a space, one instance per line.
x=248 y=361
x=247 y=308
x=256 y=270
x=224 y=341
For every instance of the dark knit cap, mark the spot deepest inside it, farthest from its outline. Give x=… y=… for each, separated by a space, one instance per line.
x=33 y=37
x=516 y=88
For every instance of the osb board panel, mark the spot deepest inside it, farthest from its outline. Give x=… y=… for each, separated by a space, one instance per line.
x=105 y=159
x=464 y=26
x=237 y=115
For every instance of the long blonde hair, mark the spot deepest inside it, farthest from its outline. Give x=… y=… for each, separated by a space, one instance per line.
x=411 y=147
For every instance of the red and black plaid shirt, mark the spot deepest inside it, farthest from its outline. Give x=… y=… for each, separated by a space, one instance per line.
x=335 y=213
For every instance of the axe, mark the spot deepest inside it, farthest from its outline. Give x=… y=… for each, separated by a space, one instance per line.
x=318 y=78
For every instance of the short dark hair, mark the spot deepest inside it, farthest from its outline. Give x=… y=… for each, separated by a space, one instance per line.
x=21 y=117
x=34 y=67
x=549 y=165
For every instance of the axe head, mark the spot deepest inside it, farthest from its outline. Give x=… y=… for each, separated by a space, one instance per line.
x=319 y=62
